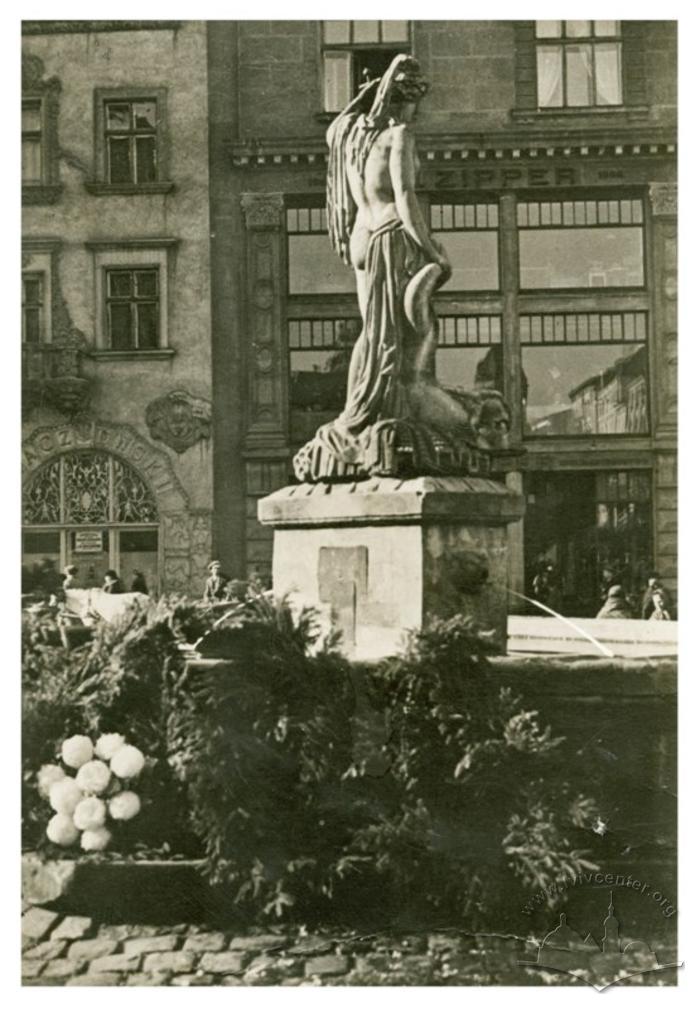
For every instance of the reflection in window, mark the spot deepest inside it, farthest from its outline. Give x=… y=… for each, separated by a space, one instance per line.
x=586 y=389
x=581 y=243
x=469 y=234
x=469 y=354
x=319 y=356
x=313 y=266
x=579 y=64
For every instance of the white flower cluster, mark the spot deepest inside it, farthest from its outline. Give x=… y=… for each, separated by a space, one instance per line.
x=83 y=804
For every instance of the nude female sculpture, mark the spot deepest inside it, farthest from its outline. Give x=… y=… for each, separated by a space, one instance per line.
x=397 y=420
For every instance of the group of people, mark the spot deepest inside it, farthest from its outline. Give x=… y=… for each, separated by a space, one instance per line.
x=656 y=601
x=111 y=583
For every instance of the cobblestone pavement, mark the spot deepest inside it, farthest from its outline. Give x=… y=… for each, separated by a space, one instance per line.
x=73 y=950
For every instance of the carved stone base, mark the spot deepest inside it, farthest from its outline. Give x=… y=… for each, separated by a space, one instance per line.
x=383 y=556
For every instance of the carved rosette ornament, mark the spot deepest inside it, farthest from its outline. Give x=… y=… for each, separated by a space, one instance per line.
x=263 y=211
x=664 y=199
x=179 y=420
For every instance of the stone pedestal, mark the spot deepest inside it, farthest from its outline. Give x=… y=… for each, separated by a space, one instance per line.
x=383 y=556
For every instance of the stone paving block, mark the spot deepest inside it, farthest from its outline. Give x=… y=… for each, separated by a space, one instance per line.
x=224 y=963
x=152 y=944
x=181 y=963
x=193 y=980
x=229 y=981
x=32 y=968
x=47 y=950
x=270 y=970
x=118 y=961
x=59 y=968
x=205 y=942
x=322 y=965
x=90 y=949
x=312 y=944
x=73 y=927
x=122 y=932
x=94 y=980
x=257 y=942
x=154 y=980
x=38 y=922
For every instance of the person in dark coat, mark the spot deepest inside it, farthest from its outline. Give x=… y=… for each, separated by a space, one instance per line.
x=654 y=585
x=138 y=582
x=215 y=588
x=112 y=583
x=615 y=606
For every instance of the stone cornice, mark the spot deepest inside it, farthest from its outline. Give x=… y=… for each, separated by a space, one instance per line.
x=66 y=27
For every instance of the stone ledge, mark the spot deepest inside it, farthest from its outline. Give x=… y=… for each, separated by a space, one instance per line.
x=390 y=501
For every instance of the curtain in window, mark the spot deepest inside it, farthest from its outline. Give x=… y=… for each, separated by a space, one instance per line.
x=579 y=75
x=608 y=74
x=549 y=77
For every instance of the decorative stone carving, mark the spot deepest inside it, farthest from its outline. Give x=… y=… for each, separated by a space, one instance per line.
x=664 y=199
x=262 y=210
x=179 y=419
x=397 y=421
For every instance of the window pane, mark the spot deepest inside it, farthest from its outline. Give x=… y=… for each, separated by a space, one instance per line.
x=581 y=390
x=549 y=77
x=548 y=29
x=118 y=117
x=147 y=317
x=577 y=29
x=146 y=284
x=119 y=283
x=365 y=31
x=119 y=160
x=608 y=74
x=474 y=259
x=32 y=289
x=606 y=27
x=31 y=160
x=31 y=116
x=319 y=379
x=394 y=31
x=336 y=32
x=469 y=367
x=582 y=257
x=337 y=72
x=145 y=159
x=119 y=317
x=32 y=325
x=144 y=115
x=315 y=269
x=579 y=76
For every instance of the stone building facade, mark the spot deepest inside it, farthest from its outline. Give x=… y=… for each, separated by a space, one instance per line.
x=548 y=171
x=117 y=375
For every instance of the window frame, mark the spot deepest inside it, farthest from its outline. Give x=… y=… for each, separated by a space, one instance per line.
x=34 y=134
x=133 y=300
x=101 y=185
x=353 y=48
x=564 y=41
x=36 y=87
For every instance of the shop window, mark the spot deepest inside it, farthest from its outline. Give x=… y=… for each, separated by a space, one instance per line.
x=33 y=141
x=469 y=234
x=469 y=353
x=579 y=64
x=133 y=309
x=319 y=356
x=586 y=373
x=581 y=244
x=33 y=314
x=357 y=51
x=313 y=266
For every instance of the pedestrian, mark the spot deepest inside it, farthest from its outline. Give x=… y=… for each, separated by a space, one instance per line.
x=542 y=584
x=615 y=605
x=138 y=582
x=654 y=585
x=112 y=583
x=70 y=577
x=659 y=612
x=215 y=588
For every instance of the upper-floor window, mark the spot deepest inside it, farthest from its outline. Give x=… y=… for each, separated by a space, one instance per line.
x=579 y=64
x=354 y=51
x=33 y=314
x=32 y=142
x=131 y=149
x=133 y=306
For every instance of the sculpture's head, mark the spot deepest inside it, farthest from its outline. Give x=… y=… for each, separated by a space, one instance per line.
x=399 y=91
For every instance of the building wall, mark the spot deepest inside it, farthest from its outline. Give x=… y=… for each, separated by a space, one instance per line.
x=122 y=386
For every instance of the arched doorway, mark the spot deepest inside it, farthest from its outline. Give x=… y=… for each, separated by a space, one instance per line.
x=94 y=510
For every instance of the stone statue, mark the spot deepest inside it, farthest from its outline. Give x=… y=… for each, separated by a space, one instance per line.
x=397 y=420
